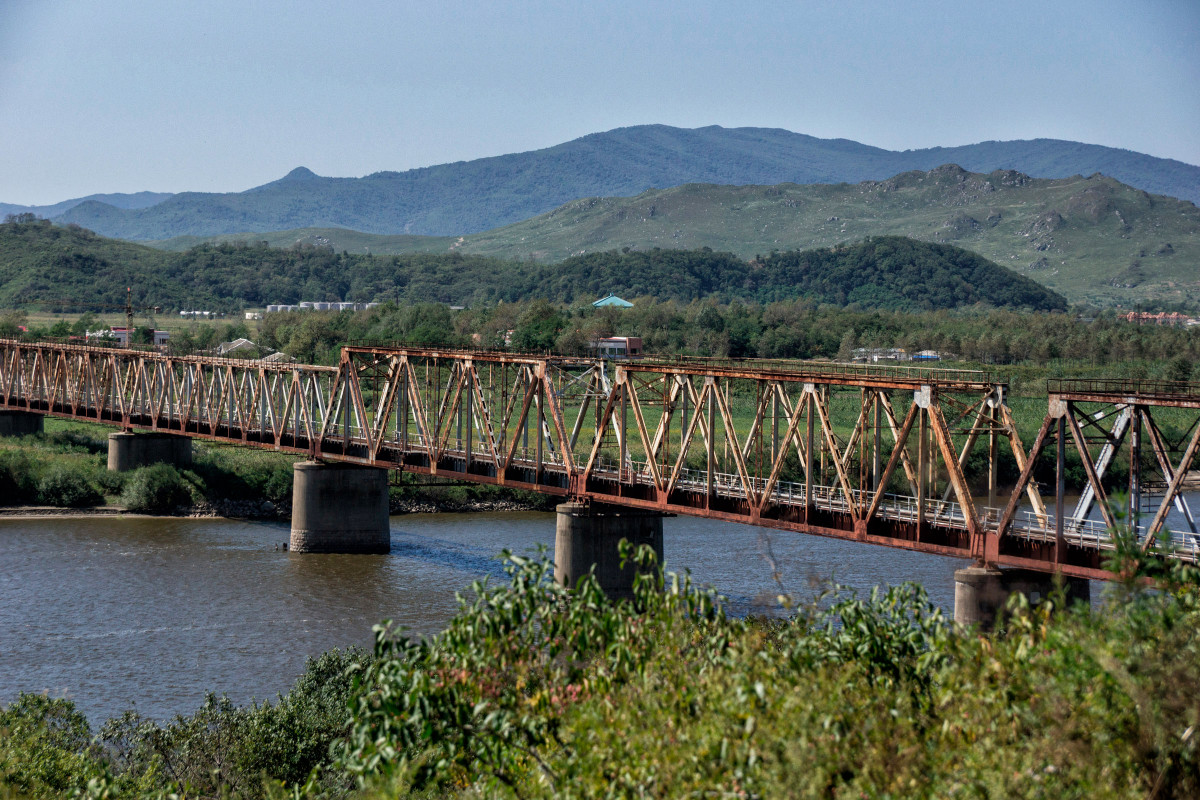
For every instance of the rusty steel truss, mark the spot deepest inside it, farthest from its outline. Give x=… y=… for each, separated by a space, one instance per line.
x=875 y=454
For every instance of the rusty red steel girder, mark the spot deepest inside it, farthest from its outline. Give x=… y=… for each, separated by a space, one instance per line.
x=871 y=454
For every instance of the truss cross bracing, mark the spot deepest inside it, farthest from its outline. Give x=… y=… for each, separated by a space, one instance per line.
x=907 y=458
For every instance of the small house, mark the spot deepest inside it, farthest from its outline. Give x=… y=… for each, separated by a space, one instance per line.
x=618 y=347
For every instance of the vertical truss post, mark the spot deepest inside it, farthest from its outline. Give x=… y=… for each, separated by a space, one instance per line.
x=992 y=465
x=469 y=403
x=1060 y=484
x=774 y=389
x=808 y=400
x=1135 y=468
x=710 y=386
x=623 y=429
x=877 y=448
x=921 y=399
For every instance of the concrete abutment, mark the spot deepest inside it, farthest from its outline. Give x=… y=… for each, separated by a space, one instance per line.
x=980 y=593
x=128 y=451
x=339 y=508
x=20 y=423
x=589 y=534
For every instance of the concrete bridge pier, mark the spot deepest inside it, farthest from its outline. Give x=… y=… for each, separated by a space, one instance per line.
x=339 y=508
x=589 y=534
x=980 y=593
x=20 y=423
x=127 y=451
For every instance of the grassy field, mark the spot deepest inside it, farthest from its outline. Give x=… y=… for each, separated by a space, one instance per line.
x=164 y=322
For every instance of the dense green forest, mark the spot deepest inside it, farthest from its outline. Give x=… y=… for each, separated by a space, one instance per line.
x=471 y=196
x=44 y=263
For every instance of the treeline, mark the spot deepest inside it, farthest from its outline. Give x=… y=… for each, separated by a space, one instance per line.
x=57 y=268
x=784 y=329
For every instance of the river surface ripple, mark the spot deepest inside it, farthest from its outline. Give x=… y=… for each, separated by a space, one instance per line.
x=153 y=613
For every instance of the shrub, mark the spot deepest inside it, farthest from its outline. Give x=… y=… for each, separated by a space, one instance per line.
x=68 y=486
x=533 y=691
x=110 y=483
x=228 y=750
x=157 y=489
x=18 y=484
x=45 y=748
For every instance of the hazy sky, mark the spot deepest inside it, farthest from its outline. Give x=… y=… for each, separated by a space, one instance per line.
x=121 y=96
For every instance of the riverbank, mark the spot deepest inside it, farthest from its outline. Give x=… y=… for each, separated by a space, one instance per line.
x=63 y=471
x=266 y=510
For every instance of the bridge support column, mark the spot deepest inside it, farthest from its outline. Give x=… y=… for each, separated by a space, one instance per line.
x=980 y=593
x=128 y=451
x=339 y=508
x=589 y=534
x=20 y=423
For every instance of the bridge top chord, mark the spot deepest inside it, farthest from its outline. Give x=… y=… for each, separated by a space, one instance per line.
x=1126 y=390
x=151 y=354
x=867 y=375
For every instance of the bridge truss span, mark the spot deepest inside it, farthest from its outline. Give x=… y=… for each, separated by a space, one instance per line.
x=906 y=458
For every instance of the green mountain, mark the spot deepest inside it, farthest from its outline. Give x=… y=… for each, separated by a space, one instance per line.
x=1094 y=239
x=337 y=239
x=472 y=196
x=56 y=267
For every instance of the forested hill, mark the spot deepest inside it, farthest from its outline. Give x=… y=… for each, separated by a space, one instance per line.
x=41 y=263
x=1094 y=239
x=886 y=272
x=466 y=197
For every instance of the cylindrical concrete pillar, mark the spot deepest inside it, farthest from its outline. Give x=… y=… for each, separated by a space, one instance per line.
x=339 y=508
x=20 y=423
x=980 y=593
x=589 y=534
x=128 y=451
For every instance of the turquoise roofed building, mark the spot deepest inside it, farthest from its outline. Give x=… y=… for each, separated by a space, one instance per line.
x=612 y=300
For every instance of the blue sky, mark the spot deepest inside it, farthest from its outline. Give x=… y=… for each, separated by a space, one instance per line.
x=121 y=96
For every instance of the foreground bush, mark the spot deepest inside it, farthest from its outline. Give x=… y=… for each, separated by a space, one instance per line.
x=156 y=489
x=18 y=478
x=532 y=691
x=48 y=750
x=535 y=692
x=68 y=486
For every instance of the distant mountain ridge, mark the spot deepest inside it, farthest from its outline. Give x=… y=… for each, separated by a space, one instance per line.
x=1095 y=239
x=472 y=196
x=126 y=201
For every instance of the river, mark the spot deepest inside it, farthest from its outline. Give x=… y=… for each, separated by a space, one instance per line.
x=152 y=613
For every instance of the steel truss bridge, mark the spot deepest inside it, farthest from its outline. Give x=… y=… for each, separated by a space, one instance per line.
x=871 y=454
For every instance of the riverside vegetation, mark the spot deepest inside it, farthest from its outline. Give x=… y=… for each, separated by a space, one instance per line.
x=66 y=467
x=535 y=691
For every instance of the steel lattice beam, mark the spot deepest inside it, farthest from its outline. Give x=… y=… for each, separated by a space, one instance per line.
x=870 y=454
